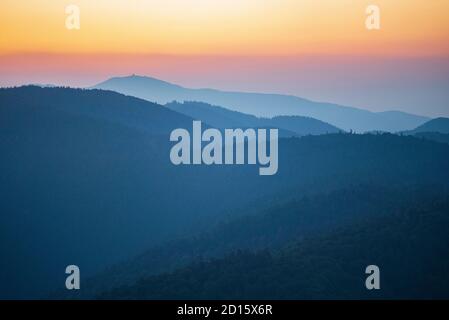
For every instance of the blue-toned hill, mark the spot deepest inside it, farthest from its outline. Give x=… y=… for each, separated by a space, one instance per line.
x=224 y=118
x=266 y=105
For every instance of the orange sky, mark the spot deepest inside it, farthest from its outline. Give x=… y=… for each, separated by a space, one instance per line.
x=229 y=27
x=317 y=49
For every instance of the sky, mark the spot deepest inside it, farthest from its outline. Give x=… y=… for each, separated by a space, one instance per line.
x=319 y=50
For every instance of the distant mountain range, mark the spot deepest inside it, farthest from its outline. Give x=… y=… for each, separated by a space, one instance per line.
x=440 y=125
x=435 y=130
x=266 y=105
x=222 y=118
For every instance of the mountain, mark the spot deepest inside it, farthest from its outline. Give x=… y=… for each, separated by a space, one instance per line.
x=216 y=116
x=409 y=246
x=223 y=118
x=435 y=130
x=111 y=107
x=86 y=179
x=440 y=125
x=271 y=228
x=265 y=105
x=302 y=125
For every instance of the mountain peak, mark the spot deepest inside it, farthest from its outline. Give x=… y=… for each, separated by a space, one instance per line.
x=440 y=125
x=135 y=79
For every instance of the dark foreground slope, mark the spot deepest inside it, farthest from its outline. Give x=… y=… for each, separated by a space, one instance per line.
x=270 y=228
x=410 y=247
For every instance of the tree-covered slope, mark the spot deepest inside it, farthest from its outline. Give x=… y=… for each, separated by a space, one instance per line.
x=410 y=247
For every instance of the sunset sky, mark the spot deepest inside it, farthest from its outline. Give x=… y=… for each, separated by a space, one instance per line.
x=317 y=49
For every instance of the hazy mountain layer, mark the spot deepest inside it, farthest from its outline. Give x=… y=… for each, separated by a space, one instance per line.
x=439 y=125
x=223 y=118
x=266 y=105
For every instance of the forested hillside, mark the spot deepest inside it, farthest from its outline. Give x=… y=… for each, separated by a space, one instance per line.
x=409 y=246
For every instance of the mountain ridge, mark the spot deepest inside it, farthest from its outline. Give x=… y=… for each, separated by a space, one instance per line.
x=439 y=125
x=223 y=118
x=265 y=104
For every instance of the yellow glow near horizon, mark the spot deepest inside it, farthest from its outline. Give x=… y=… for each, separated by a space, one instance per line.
x=263 y=27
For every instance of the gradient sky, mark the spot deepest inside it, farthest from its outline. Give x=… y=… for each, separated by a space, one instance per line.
x=316 y=49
